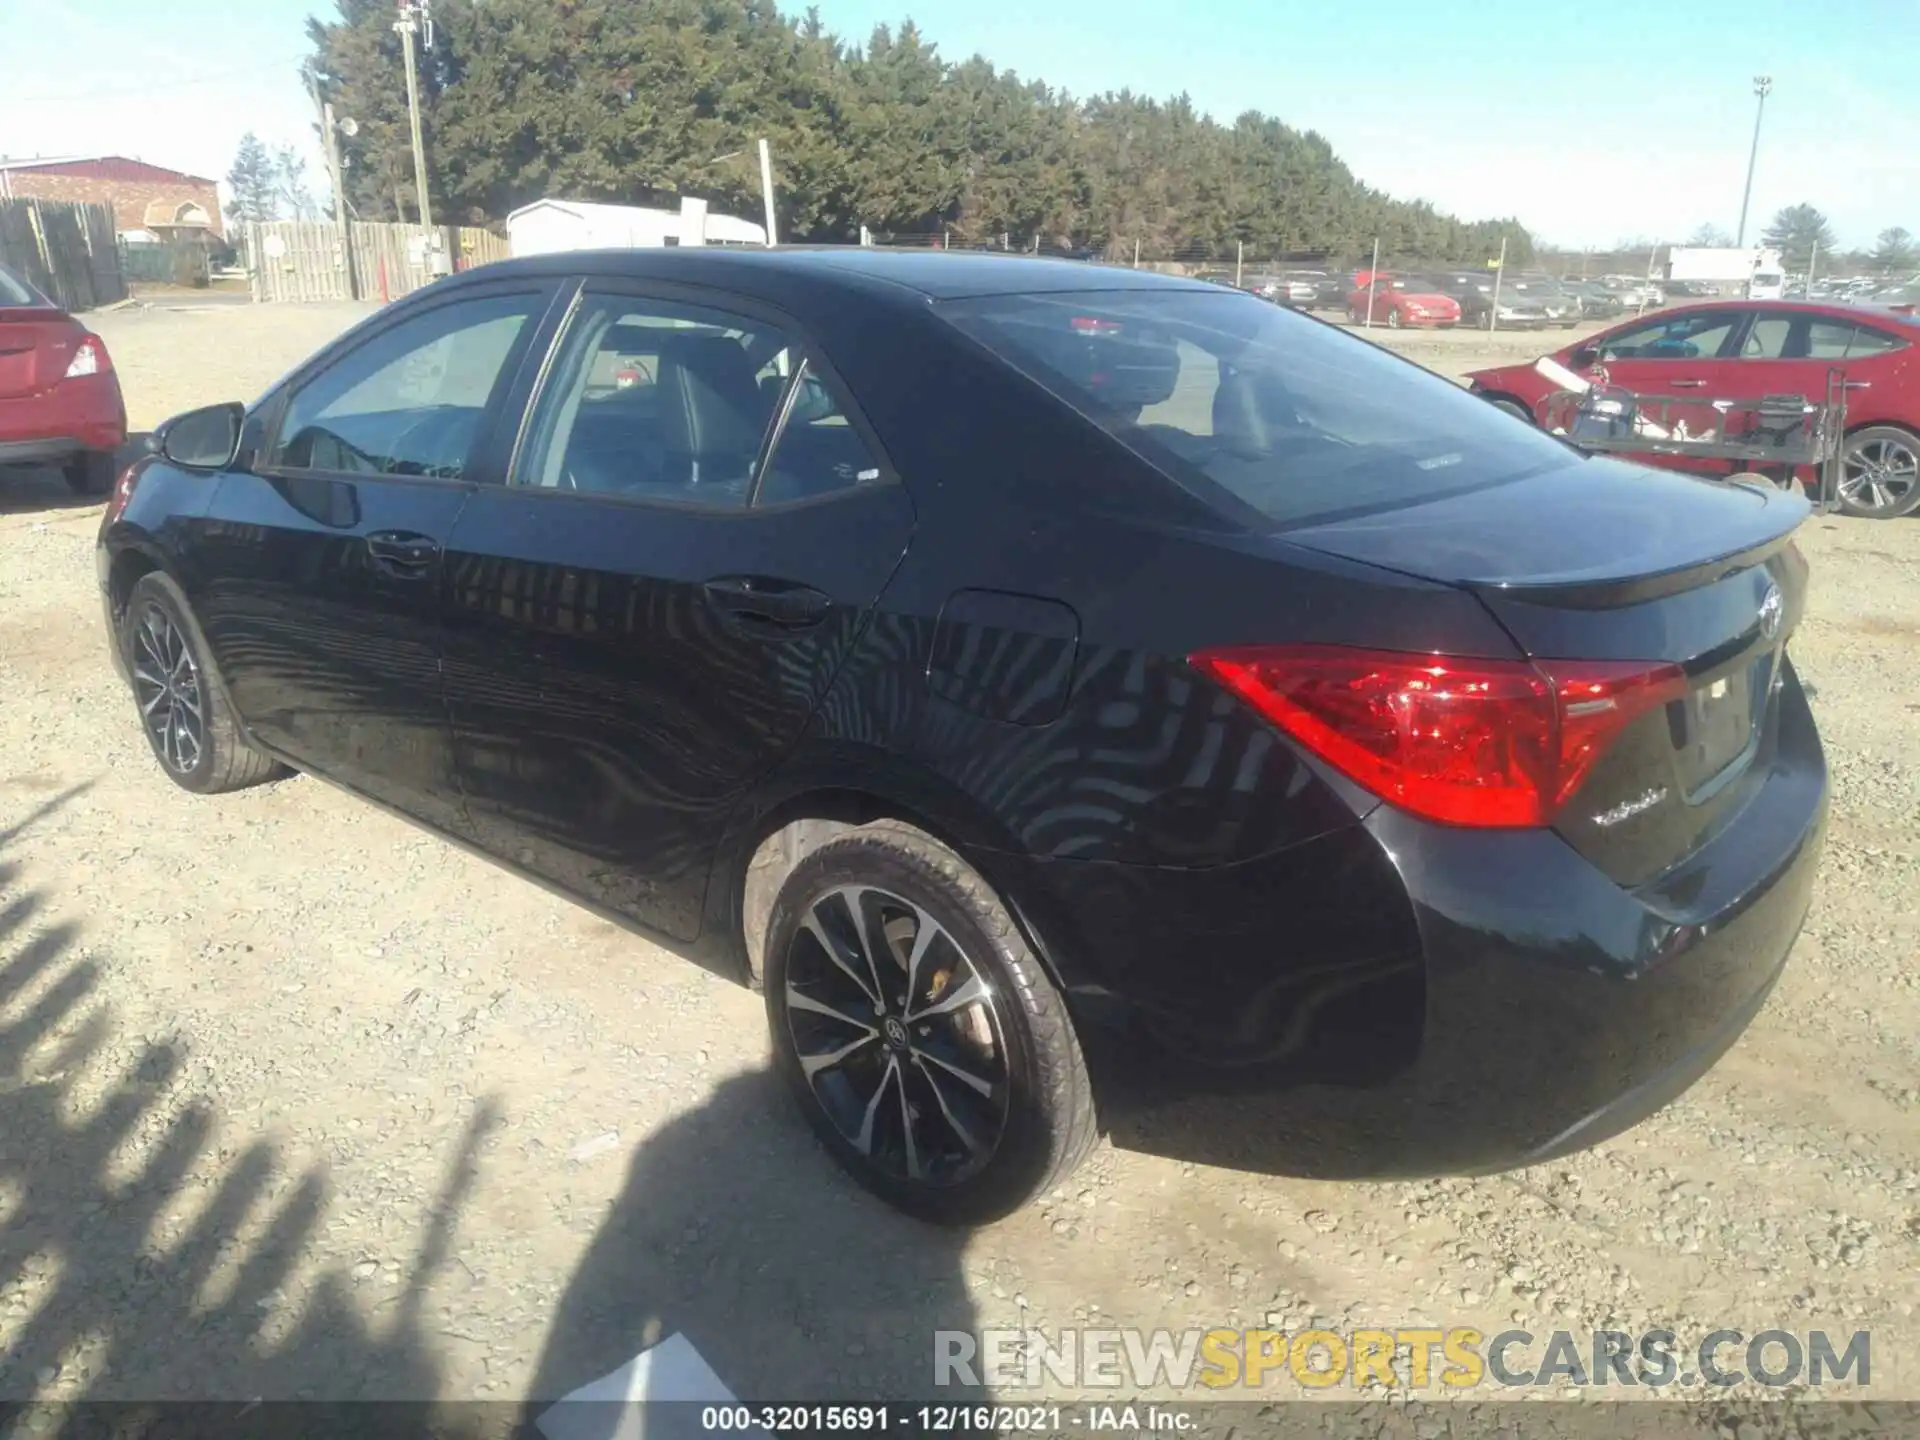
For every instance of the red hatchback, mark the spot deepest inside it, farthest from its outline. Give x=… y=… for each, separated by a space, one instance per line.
x=59 y=398
x=1746 y=350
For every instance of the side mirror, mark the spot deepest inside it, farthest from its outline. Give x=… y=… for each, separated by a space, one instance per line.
x=1584 y=358
x=203 y=439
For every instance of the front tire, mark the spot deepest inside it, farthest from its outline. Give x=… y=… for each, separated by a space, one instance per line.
x=1513 y=408
x=921 y=1038
x=181 y=700
x=89 y=473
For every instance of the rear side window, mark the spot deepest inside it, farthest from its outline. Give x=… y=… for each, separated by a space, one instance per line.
x=15 y=291
x=1251 y=403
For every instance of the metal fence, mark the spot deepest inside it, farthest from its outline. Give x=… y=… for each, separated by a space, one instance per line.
x=306 y=260
x=65 y=251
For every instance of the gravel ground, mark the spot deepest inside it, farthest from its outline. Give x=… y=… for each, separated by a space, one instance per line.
x=296 y=1100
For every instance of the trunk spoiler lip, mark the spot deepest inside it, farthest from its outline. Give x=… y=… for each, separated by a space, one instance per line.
x=1602 y=594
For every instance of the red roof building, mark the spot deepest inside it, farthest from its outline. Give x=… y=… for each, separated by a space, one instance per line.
x=167 y=202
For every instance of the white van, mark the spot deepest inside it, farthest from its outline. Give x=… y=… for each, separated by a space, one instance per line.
x=1767 y=285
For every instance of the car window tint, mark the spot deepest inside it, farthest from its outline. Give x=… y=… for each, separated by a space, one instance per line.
x=412 y=400
x=818 y=450
x=1829 y=339
x=1768 y=338
x=654 y=400
x=1226 y=393
x=1867 y=342
x=1677 y=337
x=15 y=291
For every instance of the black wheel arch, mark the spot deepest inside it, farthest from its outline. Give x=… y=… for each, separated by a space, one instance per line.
x=816 y=796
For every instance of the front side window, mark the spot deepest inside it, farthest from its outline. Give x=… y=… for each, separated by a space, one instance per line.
x=411 y=401
x=1676 y=337
x=1293 y=418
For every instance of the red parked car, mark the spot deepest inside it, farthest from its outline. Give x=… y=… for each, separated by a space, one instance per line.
x=1398 y=301
x=1749 y=349
x=59 y=398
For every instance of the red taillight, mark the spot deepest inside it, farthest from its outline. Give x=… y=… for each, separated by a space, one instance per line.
x=1465 y=742
x=123 y=490
x=89 y=358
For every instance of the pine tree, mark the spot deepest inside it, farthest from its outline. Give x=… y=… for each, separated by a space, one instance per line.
x=254 y=181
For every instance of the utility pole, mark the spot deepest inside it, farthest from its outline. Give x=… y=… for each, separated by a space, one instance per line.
x=414 y=20
x=1762 y=85
x=330 y=137
x=1499 y=274
x=766 y=190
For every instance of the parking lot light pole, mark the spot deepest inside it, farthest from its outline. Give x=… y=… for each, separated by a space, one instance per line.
x=1499 y=273
x=1762 y=84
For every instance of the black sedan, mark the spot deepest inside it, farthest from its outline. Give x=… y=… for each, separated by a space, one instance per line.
x=1080 y=699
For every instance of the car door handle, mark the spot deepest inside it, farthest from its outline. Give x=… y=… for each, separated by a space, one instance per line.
x=403 y=553
x=1859 y=385
x=1688 y=384
x=779 y=604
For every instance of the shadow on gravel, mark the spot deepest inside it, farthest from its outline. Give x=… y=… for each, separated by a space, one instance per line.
x=736 y=1230
x=136 y=1279
x=27 y=488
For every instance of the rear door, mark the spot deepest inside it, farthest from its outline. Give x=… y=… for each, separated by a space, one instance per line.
x=317 y=574
x=1789 y=352
x=639 y=623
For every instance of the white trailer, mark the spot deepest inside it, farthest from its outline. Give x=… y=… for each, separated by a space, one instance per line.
x=549 y=225
x=1720 y=265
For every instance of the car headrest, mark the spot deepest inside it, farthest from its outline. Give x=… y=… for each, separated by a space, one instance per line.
x=1242 y=421
x=1131 y=373
x=710 y=403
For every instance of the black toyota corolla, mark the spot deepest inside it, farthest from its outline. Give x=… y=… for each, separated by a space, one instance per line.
x=1078 y=698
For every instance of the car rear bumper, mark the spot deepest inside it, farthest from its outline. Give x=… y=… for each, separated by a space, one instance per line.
x=1406 y=999
x=84 y=413
x=47 y=450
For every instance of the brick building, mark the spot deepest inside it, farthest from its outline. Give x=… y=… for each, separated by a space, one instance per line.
x=169 y=203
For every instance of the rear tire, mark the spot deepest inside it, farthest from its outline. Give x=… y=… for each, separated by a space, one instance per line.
x=958 y=1116
x=1881 y=473
x=90 y=472
x=1513 y=408
x=181 y=699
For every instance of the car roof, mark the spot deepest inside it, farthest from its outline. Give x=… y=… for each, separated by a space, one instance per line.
x=1803 y=307
x=934 y=274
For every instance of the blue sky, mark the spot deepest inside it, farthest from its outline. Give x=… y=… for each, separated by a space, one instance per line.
x=1591 y=123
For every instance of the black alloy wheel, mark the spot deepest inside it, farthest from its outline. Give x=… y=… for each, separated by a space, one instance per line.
x=921 y=1037
x=166 y=684
x=183 y=706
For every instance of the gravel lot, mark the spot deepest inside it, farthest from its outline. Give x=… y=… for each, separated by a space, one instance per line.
x=298 y=1101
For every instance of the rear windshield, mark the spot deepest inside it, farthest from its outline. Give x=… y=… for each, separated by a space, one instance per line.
x=1251 y=405
x=15 y=291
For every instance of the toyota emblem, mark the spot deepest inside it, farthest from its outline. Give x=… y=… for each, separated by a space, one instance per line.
x=1773 y=610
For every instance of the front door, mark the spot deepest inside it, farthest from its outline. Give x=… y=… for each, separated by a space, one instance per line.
x=322 y=606
x=641 y=621
x=1684 y=359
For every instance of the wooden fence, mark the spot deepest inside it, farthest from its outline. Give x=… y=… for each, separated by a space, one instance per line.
x=294 y=260
x=67 y=252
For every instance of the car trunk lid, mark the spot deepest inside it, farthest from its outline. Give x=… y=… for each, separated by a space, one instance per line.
x=36 y=346
x=1602 y=561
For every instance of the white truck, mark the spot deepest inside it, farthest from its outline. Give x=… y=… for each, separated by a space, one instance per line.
x=1756 y=269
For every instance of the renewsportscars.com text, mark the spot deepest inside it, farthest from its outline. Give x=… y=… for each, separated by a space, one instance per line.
x=1457 y=1358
